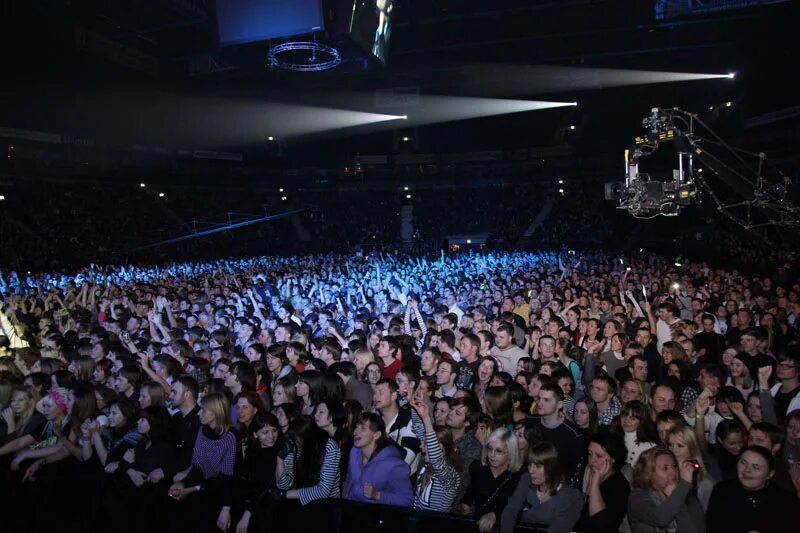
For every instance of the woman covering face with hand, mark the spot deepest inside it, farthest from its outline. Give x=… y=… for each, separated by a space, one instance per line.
x=663 y=498
x=605 y=487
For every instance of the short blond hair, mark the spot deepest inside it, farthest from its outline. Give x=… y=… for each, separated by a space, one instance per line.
x=507 y=437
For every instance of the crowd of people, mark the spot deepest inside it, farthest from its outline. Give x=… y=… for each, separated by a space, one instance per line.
x=590 y=392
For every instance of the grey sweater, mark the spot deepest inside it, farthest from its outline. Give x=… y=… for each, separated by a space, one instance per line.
x=559 y=513
x=681 y=512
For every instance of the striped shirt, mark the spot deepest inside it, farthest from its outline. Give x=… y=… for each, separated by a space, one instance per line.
x=214 y=455
x=438 y=482
x=329 y=485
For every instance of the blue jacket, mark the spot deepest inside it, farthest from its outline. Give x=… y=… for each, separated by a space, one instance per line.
x=387 y=472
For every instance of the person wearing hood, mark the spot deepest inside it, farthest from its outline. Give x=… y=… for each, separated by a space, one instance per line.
x=376 y=472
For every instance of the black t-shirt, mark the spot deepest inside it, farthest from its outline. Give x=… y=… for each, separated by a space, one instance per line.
x=615 y=491
x=571 y=444
x=782 y=401
x=34 y=427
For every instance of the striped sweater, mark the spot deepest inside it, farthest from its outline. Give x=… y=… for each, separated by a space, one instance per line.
x=329 y=485
x=437 y=491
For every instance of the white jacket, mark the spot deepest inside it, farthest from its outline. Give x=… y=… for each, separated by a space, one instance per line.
x=793 y=405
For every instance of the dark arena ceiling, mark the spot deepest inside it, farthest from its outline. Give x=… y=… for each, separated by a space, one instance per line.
x=145 y=82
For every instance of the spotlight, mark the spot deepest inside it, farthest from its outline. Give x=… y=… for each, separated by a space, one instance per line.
x=560 y=182
x=283 y=198
x=280 y=190
x=408 y=197
x=405 y=117
x=161 y=195
x=469 y=241
x=728 y=104
x=561 y=191
x=731 y=75
x=406 y=139
x=142 y=185
x=405 y=188
x=270 y=138
x=700 y=170
x=572 y=128
x=2 y=197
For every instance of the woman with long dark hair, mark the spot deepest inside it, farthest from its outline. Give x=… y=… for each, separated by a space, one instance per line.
x=310 y=471
x=542 y=495
x=246 y=503
x=377 y=472
x=132 y=501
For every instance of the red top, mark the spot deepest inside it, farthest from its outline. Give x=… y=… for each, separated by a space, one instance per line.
x=390 y=372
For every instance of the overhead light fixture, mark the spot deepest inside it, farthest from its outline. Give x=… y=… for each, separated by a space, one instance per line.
x=728 y=104
x=408 y=197
x=561 y=191
x=731 y=75
x=283 y=198
x=406 y=139
x=281 y=189
x=161 y=195
x=405 y=188
x=142 y=185
x=2 y=197
x=469 y=241
x=560 y=182
x=270 y=138
x=572 y=128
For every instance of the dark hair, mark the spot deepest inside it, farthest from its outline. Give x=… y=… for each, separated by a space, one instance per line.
x=498 y=404
x=312 y=378
x=614 y=445
x=764 y=453
x=545 y=453
x=375 y=423
x=343 y=367
x=245 y=374
x=160 y=421
x=555 y=389
x=263 y=419
x=128 y=410
x=729 y=394
x=776 y=434
x=729 y=427
x=333 y=389
x=473 y=409
x=190 y=384
x=608 y=380
x=646 y=432
x=84 y=404
x=307 y=443
x=389 y=383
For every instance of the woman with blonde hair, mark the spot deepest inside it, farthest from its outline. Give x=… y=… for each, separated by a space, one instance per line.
x=663 y=499
x=214 y=450
x=23 y=422
x=683 y=444
x=493 y=479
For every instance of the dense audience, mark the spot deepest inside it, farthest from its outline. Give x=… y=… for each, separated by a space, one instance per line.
x=578 y=392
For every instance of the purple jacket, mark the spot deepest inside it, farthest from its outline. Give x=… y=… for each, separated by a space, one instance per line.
x=387 y=472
